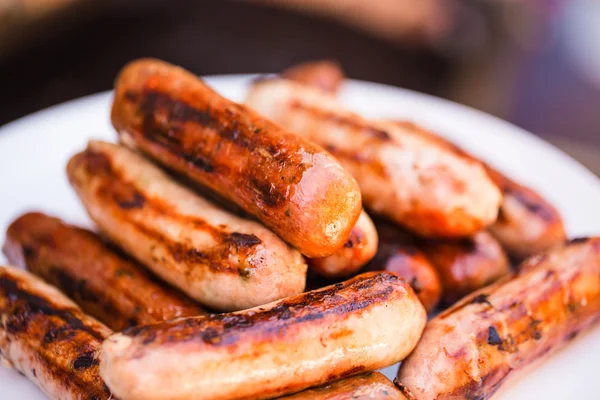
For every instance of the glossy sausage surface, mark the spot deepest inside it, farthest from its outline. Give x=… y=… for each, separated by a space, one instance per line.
x=103 y=282
x=468 y=351
x=363 y=324
x=290 y=184
x=425 y=188
x=369 y=386
x=47 y=338
x=326 y=75
x=467 y=264
x=221 y=260
x=358 y=250
x=399 y=252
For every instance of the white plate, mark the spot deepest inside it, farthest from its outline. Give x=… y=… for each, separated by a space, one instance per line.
x=35 y=149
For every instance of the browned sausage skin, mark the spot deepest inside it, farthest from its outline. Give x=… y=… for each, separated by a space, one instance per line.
x=358 y=250
x=48 y=339
x=326 y=75
x=290 y=184
x=369 y=386
x=398 y=252
x=467 y=264
x=468 y=351
x=105 y=284
x=365 y=323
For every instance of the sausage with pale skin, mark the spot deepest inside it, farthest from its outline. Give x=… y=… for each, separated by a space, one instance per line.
x=290 y=184
x=47 y=338
x=366 y=323
x=468 y=351
x=467 y=264
x=369 y=386
x=358 y=250
x=104 y=283
x=398 y=252
x=425 y=188
x=223 y=261
x=326 y=75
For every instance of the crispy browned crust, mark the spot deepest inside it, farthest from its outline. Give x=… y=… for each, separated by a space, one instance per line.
x=369 y=386
x=469 y=350
x=49 y=340
x=102 y=281
x=326 y=75
x=467 y=264
x=291 y=185
x=512 y=221
x=398 y=252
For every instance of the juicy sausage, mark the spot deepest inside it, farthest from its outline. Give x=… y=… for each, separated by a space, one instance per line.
x=369 y=386
x=398 y=252
x=217 y=258
x=357 y=251
x=425 y=188
x=326 y=75
x=468 y=351
x=467 y=264
x=527 y=223
x=365 y=323
x=102 y=282
x=47 y=338
x=290 y=184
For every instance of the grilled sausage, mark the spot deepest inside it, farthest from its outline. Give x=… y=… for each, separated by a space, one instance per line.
x=358 y=250
x=47 y=338
x=290 y=184
x=326 y=75
x=369 y=386
x=467 y=264
x=422 y=187
x=398 y=252
x=527 y=223
x=469 y=350
x=217 y=258
x=102 y=282
x=365 y=323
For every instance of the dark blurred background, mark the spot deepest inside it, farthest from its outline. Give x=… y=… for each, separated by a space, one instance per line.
x=535 y=63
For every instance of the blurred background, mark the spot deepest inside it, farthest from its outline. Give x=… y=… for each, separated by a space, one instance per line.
x=535 y=63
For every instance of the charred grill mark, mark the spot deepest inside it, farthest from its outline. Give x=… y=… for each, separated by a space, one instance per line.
x=577 y=240
x=493 y=338
x=228 y=329
x=85 y=361
x=531 y=202
x=136 y=201
x=75 y=288
x=482 y=298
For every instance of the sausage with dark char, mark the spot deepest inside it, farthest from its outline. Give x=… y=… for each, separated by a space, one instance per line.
x=468 y=351
x=366 y=323
x=47 y=338
x=290 y=184
x=104 y=283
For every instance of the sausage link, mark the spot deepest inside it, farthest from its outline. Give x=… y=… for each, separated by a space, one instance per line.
x=369 y=386
x=467 y=264
x=359 y=249
x=425 y=188
x=326 y=75
x=47 y=338
x=290 y=184
x=527 y=224
x=365 y=323
x=219 y=259
x=399 y=253
x=468 y=351
x=105 y=284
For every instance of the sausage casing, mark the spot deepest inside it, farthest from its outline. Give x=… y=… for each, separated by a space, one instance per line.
x=358 y=250
x=369 y=386
x=425 y=188
x=104 y=283
x=290 y=184
x=326 y=75
x=48 y=339
x=469 y=350
x=466 y=264
x=365 y=323
x=217 y=258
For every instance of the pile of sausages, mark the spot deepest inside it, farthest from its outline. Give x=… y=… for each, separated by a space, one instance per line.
x=214 y=217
